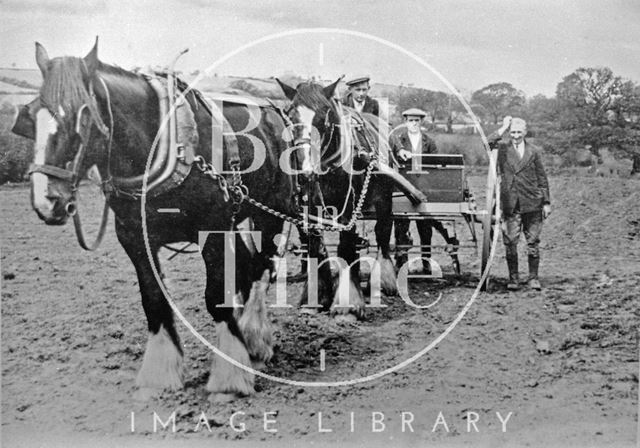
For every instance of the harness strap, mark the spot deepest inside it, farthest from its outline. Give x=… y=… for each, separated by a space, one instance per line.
x=101 y=231
x=54 y=171
x=229 y=140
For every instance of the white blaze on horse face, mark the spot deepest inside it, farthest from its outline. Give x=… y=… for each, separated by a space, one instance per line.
x=46 y=126
x=306 y=118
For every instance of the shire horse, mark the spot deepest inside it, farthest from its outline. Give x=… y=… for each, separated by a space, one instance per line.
x=346 y=167
x=112 y=116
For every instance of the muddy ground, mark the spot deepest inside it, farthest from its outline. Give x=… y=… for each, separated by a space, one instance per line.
x=561 y=365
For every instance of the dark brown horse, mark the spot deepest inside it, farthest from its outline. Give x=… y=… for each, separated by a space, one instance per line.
x=90 y=113
x=346 y=154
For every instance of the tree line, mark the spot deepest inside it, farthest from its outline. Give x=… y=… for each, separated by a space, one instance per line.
x=592 y=108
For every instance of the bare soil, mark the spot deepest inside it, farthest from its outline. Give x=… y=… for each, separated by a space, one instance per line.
x=563 y=362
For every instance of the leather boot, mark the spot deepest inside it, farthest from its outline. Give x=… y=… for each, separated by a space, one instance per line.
x=512 y=264
x=533 y=281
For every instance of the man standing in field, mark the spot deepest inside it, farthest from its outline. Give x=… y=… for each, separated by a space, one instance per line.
x=525 y=198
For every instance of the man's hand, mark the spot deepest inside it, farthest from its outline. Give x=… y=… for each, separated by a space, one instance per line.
x=546 y=210
x=404 y=155
x=506 y=123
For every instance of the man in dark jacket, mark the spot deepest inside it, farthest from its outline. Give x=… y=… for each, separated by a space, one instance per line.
x=524 y=194
x=358 y=96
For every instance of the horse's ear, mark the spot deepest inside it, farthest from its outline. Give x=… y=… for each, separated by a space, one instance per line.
x=42 y=58
x=91 y=59
x=289 y=91
x=330 y=89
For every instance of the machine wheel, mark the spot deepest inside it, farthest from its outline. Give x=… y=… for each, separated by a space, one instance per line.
x=487 y=238
x=487 y=224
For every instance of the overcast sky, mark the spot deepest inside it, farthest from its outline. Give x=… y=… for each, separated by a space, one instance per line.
x=531 y=44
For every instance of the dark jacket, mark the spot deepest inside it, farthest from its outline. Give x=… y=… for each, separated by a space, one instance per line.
x=524 y=182
x=370 y=105
x=399 y=139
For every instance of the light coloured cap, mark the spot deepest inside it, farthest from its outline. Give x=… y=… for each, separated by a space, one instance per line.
x=358 y=80
x=518 y=124
x=414 y=112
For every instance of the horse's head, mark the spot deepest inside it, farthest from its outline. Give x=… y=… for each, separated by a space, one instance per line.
x=62 y=120
x=313 y=114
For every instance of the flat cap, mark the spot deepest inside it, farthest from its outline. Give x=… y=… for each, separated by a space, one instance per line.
x=414 y=112
x=518 y=124
x=358 y=80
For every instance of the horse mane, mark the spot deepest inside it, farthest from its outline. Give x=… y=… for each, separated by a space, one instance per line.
x=311 y=95
x=66 y=81
x=64 y=85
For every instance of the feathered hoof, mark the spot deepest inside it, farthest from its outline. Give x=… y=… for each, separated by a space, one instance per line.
x=162 y=366
x=230 y=380
x=353 y=303
x=225 y=377
x=385 y=271
x=325 y=295
x=254 y=324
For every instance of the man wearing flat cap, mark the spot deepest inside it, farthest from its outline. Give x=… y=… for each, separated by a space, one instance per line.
x=524 y=194
x=406 y=141
x=358 y=96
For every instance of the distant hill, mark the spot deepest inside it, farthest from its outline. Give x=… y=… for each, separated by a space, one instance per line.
x=21 y=77
x=8 y=87
x=18 y=86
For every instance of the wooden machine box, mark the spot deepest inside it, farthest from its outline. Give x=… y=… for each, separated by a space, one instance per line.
x=440 y=177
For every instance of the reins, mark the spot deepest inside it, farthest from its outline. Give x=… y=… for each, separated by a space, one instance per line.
x=72 y=174
x=77 y=223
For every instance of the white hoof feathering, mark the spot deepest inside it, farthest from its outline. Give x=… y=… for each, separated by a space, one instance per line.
x=415 y=266
x=254 y=324
x=384 y=271
x=162 y=366
x=348 y=297
x=226 y=378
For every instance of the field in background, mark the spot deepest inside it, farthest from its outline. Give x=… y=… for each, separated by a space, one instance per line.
x=468 y=145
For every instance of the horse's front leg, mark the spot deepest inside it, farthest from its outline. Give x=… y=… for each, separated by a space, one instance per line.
x=348 y=296
x=230 y=377
x=319 y=277
x=253 y=321
x=383 y=269
x=162 y=366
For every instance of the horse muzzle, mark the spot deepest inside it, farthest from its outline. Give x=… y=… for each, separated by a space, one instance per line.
x=51 y=205
x=51 y=219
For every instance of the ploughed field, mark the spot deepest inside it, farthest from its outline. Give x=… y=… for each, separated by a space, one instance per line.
x=556 y=368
